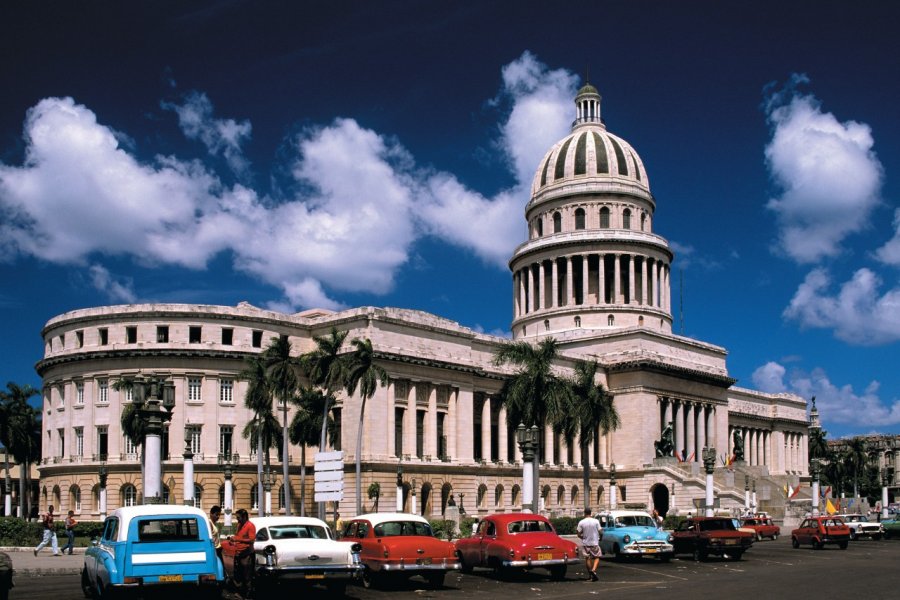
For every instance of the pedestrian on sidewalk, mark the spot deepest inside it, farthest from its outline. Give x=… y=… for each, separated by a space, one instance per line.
x=49 y=533
x=70 y=532
x=589 y=531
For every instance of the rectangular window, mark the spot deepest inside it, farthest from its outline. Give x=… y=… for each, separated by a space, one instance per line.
x=79 y=339
x=79 y=393
x=195 y=334
x=130 y=447
x=103 y=391
x=61 y=451
x=129 y=395
x=62 y=396
x=226 y=391
x=398 y=431
x=420 y=433
x=180 y=529
x=194 y=432
x=226 y=433
x=62 y=342
x=164 y=443
x=79 y=441
x=104 y=336
x=162 y=334
x=441 y=438
x=194 y=387
x=257 y=339
x=131 y=334
x=102 y=441
x=227 y=337
x=476 y=431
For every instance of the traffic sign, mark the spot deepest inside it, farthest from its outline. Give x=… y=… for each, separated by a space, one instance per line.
x=329 y=476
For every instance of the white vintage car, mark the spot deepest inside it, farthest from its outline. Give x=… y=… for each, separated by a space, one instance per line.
x=298 y=549
x=861 y=526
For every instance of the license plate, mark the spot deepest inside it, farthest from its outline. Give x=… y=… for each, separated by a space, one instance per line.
x=423 y=561
x=315 y=576
x=170 y=578
x=732 y=542
x=650 y=550
x=545 y=556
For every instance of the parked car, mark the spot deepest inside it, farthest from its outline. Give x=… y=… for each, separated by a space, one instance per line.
x=400 y=545
x=762 y=527
x=153 y=546
x=819 y=531
x=634 y=533
x=705 y=536
x=861 y=526
x=298 y=550
x=6 y=575
x=524 y=541
x=891 y=528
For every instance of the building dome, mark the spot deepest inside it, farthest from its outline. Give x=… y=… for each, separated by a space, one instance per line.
x=590 y=159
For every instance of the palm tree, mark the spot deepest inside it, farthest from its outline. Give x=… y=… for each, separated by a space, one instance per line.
x=534 y=395
x=282 y=370
x=364 y=373
x=305 y=427
x=133 y=427
x=593 y=411
x=818 y=443
x=259 y=400
x=21 y=431
x=855 y=458
x=326 y=368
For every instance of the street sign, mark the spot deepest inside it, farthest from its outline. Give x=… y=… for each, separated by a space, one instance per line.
x=329 y=476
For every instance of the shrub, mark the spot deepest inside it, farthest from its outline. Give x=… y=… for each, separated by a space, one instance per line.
x=671 y=522
x=16 y=532
x=465 y=526
x=444 y=529
x=565 y=525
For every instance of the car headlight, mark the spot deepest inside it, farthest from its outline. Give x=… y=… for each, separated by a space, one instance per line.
x=626 y=539
x=356 y=548
x=671 y=538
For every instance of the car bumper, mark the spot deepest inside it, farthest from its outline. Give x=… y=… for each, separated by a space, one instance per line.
x=419 y=567
x=647 y=551
x=310 y=573
x=552 y=562
x=835 y=539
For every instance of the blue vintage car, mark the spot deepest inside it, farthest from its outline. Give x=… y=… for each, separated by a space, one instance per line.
x=153 y=546
x=634 y=533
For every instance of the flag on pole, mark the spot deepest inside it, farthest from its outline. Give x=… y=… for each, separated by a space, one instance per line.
x=678 y=456
x=691 y=457
x=829 y=507
x=794 y=492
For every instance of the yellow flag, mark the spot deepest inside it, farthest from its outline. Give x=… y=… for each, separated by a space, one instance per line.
x=829 y=507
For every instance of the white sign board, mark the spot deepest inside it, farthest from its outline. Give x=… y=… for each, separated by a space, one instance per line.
x=329 y=476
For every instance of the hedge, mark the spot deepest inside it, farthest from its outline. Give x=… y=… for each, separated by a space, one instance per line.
x=16 y=532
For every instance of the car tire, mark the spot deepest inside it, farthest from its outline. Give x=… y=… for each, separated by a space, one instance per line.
x=887 y=535
x=617 y=552
x=877 y=536
x=853 y=535
x=86 y=588
x=736 y=555
x=558 y=572
x=464 y=567
x=758 y=537
x=795 y=543
x=371 y=579
x=436 y=579
x=818 y=545
x=699 y=555
x=843 y=545
x=774 y=536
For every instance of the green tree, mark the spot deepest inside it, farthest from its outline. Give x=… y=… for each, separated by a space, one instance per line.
x=818 y=443
x=283 y=372
x=594 y=414
x=306 y=425
x=258 y=399
x=855 y=457
x=366 y=375
x=21 y=434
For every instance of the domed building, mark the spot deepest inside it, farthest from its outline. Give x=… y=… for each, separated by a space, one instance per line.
x=592 y=275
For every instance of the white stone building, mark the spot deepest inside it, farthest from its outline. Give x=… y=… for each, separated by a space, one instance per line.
x=592 y=274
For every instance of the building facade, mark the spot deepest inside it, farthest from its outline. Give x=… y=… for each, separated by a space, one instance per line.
x=592 y=274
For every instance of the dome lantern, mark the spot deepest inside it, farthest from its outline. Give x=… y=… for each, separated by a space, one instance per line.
x=587 y=106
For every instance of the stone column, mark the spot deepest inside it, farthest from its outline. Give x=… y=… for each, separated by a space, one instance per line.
x=585 y=285
x=548 y=446
x=644 y=280
x=502 y=436
x=576 y=450
x=521 y=288
x=767 y=449
x=701 y=430
x=711 y=438
x=570 y=282
x=667 y=292
x=532 y=277
x=486 y=428
x=690 y=440
x=678 y=425
x=563 y=451
x=465 y=418
x=667 y=414
x=409 y=420
x=601 y=279
x=390 y=415
x=632 y=271
x=542 y=283
x=554 y=285
x=603 y=440
x=617 y=283
x=431 y=430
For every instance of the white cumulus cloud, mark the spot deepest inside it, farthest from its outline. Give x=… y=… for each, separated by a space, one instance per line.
x=119 y=291
x=890 y=252
x=829 y=176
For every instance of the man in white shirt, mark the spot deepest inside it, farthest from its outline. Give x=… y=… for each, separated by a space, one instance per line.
x=589 y=531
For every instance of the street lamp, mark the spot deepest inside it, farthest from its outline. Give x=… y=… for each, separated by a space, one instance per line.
x=885 y=481
x=747 y=493
x=709 y=464
x=7 y=488
x=413 y=492
x=753 y=501
x=228 y=462
x=613 y=490
x=268 y=481
x=153 y=399
x=527 y=439
x=188 y=468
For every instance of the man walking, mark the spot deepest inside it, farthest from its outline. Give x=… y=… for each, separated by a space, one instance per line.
x=589 y=531
x=70 y=532
x=49 y=533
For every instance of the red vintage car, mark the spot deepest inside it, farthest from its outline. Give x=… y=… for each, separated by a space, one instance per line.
x=400 y=545
x=508 y=541
x=705 y=536
x=762 y=526
x=819 y=531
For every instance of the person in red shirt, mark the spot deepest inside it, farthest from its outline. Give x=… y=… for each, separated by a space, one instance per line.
x=243 y=556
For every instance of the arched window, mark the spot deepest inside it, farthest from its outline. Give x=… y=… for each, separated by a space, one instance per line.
x=600 y=496
x=75 y=498
x=498 y=496
x=577 y=321
x=546 y=324
x=604 y=218
x=610 y=320
x=95 y=498
x=640 y=321
x=198 y=495
x=129 y=495
x=557 y=222
x=579 y=218
x=516 y=495
x=560 y=495
x=57 y=497
x=166 y=496
x=643 y=221
x=481 y=497
x=574 y=495
x=545 y=495
x=539 y=226
x=626 y=219
x=281 y=496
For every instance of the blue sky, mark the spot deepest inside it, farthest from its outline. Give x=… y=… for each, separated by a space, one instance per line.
x=341 y=154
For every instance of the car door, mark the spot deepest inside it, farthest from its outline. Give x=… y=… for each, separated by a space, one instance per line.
x=487 y=531
x=684 y=537
x=105 y=550
x=804 y=532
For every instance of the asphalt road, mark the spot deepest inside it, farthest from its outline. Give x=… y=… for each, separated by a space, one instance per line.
x=868 y=569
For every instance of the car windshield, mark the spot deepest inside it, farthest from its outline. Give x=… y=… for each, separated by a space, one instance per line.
x=168 y=529
x=286 y=532
x=716 y=524
x=635 y=521
x=394 y=528
x=529 y=526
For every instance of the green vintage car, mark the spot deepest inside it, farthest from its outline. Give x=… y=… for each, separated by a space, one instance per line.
x=891 y=527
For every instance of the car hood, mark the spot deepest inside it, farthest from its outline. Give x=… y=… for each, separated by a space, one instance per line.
x=638 y=533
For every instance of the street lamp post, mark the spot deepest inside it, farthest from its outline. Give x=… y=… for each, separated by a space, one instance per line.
x=413 y=500
x=103 y=473
x=746 y=493
x=814 y=467
x=227 y=462
x=527 y=440
x=7 y=488
x=885 y=480
x=153 y=399
x=268 y=480
x=709 y=464
x=753 y=501
x=188 y=469
x=613 y=489
x=400 y=485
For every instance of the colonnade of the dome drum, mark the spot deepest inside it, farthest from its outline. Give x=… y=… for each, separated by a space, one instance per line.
x=592 y=279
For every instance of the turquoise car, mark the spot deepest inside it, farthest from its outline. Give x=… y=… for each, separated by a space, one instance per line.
x=163 y=547
x=891 y=527
x=634 y=533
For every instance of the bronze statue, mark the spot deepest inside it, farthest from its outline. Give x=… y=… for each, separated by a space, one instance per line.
x=666 y=443
x=738 y=445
